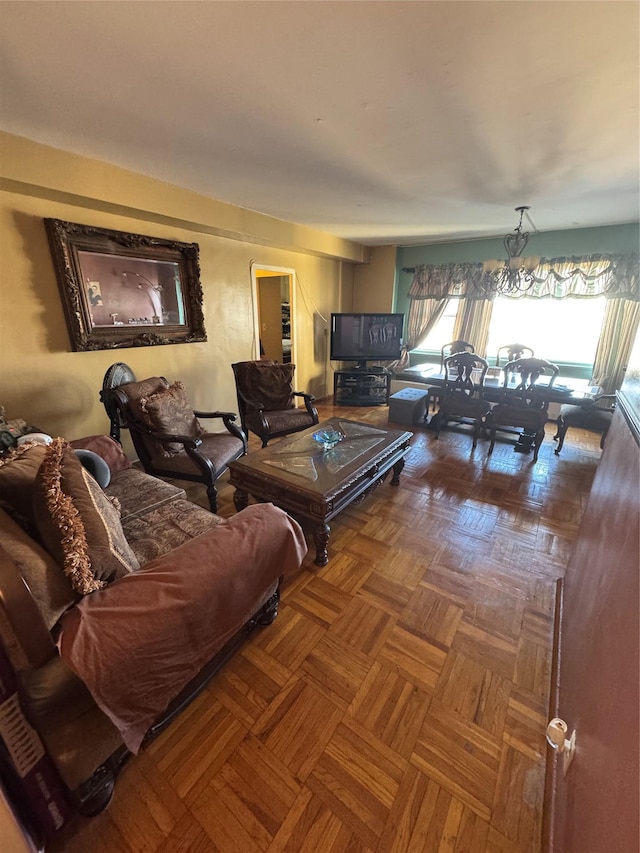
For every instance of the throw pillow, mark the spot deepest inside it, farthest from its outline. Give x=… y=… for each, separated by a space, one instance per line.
x=271 y=385
x=77 y=523
x=48 y=586
x=107 y=448
x=168 y=410
x=18 y=470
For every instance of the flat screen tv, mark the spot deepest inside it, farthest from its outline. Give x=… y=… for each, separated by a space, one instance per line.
x=366 y=337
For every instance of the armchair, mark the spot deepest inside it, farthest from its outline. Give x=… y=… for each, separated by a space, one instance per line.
x=525 y=405
x=168 y=436
x=266 y=400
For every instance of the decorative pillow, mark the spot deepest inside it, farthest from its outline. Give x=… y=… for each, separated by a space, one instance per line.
x=107 y=448
x=18 y=470
x=51 y=590
x=271 y=385
x=77 y=522
x=169 y=411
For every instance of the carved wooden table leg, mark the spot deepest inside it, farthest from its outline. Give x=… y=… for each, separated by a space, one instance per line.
x=321 y=539
x=397 y=468
x=240 y=500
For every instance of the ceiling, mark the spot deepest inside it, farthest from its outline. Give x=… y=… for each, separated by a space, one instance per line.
x=380 y=122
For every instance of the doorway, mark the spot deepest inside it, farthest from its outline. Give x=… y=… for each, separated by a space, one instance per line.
x=274 y=312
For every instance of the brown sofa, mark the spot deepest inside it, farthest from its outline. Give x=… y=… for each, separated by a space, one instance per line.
x=169 y=575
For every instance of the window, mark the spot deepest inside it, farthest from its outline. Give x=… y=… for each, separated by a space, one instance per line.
x=442 y=332
x=560 y=330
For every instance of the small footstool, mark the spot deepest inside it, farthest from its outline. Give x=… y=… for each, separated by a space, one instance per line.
x=408 y=407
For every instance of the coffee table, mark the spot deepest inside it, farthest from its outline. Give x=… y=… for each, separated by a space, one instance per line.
x=313 y=484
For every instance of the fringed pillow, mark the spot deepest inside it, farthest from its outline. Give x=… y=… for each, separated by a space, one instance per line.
x=77 y=523
x=169 y=411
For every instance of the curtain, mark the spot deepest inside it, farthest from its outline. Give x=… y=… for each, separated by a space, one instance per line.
x=619 y=327
x=446 y=280
x=613 y=276
x=472 y=323
x=423 y=315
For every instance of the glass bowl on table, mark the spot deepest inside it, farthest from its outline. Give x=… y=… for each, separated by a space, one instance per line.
x=327 y=438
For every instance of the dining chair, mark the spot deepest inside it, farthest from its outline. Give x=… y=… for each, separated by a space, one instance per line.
x=461 y=396
x=453 y=347
x=524 y=403
x=512 y=352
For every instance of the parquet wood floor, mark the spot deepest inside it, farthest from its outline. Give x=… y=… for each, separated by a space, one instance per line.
x=399 y=701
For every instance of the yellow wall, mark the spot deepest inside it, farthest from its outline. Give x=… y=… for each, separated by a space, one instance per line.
x=45 y=383
x=374 y=282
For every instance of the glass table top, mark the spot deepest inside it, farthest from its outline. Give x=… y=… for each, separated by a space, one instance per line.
x=303 y=462
x=305 y=458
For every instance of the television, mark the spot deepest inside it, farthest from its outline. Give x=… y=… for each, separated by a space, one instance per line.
x=366 y=337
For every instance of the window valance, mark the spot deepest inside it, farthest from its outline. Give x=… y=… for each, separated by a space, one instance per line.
x=612 y=276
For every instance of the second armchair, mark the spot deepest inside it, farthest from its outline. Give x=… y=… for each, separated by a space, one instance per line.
x=266 y=400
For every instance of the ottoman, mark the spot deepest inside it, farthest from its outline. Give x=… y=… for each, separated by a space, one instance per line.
x=408 y=407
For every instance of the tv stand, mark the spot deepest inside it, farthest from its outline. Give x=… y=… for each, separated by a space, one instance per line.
x=361 y=386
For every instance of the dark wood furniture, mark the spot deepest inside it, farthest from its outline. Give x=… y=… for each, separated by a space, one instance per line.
x=462 y=396
x=596 y=417
x=313 y=484
x=266 y=400
x=168 y=438
x=525 y=405
x=513 y=351
x=563 y=390
x=361 y=387
x=453 y=347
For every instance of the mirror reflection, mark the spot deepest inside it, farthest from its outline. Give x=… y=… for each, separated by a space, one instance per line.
x=123 y=291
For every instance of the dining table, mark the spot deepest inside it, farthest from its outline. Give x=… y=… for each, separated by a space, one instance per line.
x=564 y=389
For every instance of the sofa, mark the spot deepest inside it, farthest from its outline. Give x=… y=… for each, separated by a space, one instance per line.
x=119 y=602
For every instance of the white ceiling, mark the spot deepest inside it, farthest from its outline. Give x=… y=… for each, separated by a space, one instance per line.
x=381 y=122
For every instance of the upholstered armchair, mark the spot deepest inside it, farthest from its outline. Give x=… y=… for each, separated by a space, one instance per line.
x=167 y=434
x=266 y=400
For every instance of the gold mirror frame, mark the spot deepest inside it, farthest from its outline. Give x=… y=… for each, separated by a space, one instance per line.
x=126 y=290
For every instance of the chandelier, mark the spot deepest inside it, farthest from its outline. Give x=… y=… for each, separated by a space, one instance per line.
x=515 y=274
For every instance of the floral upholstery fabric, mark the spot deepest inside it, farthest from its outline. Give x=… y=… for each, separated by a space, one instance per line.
x=168 y=410
x=138 y=493
x=161 y=530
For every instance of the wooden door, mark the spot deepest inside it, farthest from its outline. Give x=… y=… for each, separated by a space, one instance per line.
x=595 y=806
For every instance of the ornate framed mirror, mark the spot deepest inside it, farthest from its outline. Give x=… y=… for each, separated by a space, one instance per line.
x=126 y=290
